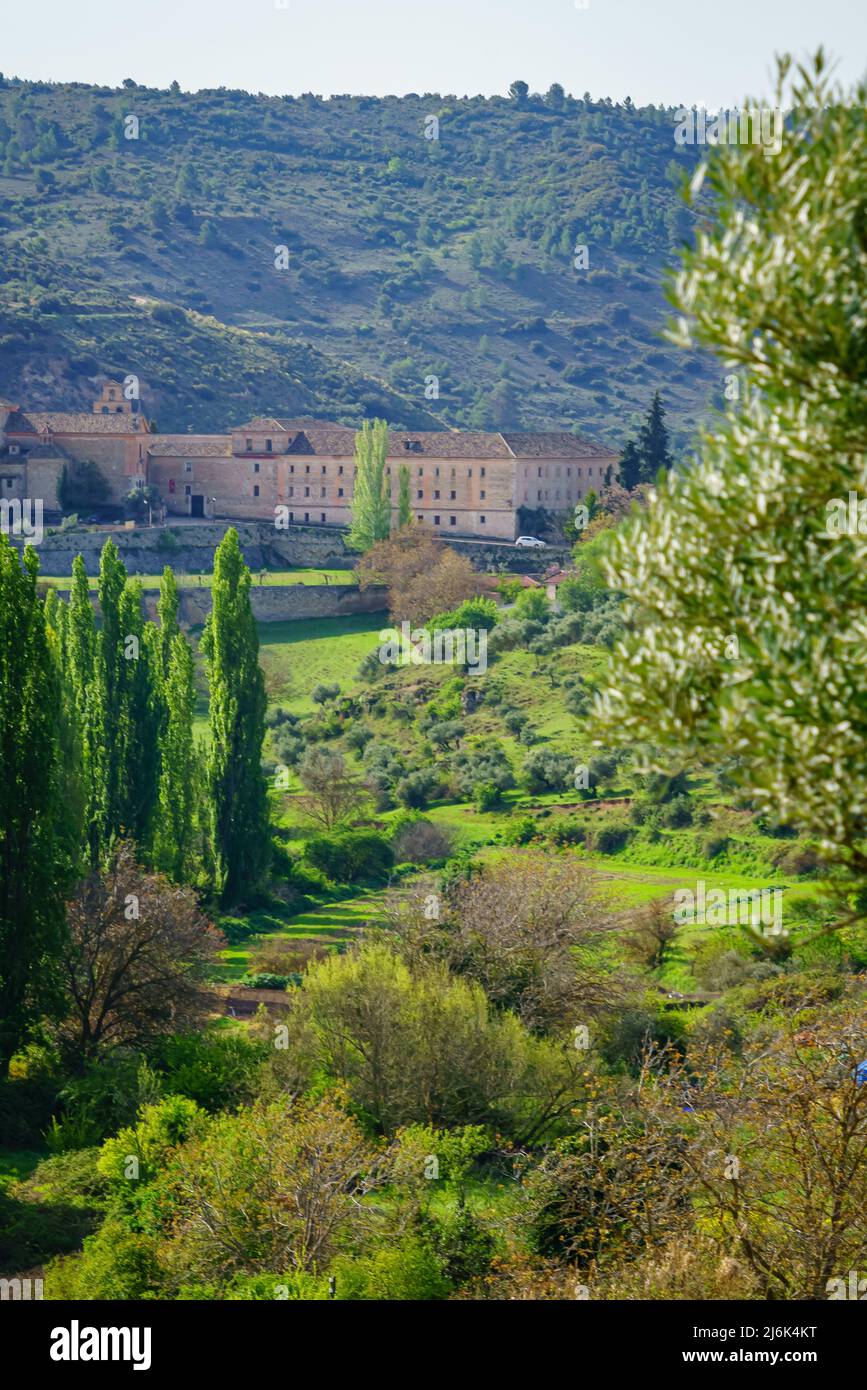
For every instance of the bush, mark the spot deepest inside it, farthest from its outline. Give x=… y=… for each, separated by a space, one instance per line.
x=609 y=839
x=264 y=979
x=421 y=842
x=405 y=1272
x=416 y=789
x=567 y=832
x=488 y=797
x=350 y=855
x=677 y=813
x=519 y=832
x=547 y=771
x=714 y=846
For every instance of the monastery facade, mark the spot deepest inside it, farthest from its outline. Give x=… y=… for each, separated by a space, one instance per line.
x=462 y=482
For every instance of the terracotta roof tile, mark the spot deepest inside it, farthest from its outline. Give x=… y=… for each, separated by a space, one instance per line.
x=74 y=422
x=550 y=444
x=191 y=446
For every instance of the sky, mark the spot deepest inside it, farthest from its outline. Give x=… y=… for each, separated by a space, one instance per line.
x=664 y=51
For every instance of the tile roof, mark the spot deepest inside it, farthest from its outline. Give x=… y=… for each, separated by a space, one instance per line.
x=74 y=422
x=551 y=444
x=191 y=446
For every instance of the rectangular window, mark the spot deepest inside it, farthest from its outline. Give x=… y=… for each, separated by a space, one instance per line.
x=291 y=468
x=481 y=521
x=419 y=495
x=420 y=517
x=188 y=491
x=436 y=495
x=340 y=492
x=453 y=521
x=436 y=521
x=306 y=516
x=307 y=492
x=307 y=468
x=255 y=468
x=268 y=446
x=321 y=516
x=483 y=494
x=322 y=492
x=452 y=496
x=323 y=468
x=256 y=490
x=291 y=516
x=340 y=470
x=469 y=472
x=249 y=443
x=482 y=472
x=291 y=492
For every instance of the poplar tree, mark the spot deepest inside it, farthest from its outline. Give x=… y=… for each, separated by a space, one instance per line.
x=81 y=637
x=371 y=494
x=31 y=876
x=175 y=833
x=238 y=806
x=139 y=718
x=404 y=505
x=168 y=605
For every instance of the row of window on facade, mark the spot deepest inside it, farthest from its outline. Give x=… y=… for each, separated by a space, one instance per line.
x=420 y=471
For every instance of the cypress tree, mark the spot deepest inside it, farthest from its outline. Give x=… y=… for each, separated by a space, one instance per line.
x=653 y=443
x=371 y=495
x=630 y=466
x=175 y=834
x=31 y=871
x=238 y=806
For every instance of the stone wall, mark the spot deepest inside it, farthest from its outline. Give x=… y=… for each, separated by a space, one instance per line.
x=274 y=603
x=145 y=550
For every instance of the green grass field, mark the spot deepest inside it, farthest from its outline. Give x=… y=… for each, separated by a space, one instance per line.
x=296 y=656
x=266 y=578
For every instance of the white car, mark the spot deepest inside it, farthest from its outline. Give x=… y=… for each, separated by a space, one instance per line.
x=531 y=541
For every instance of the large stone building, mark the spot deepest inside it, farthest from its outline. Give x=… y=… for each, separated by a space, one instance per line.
x=462 y=482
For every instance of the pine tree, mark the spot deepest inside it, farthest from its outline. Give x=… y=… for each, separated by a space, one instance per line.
x=371 y=498
x=404 y=505
x=653 y=443
x=31 y=871
x=175 y=833
x=238 y=805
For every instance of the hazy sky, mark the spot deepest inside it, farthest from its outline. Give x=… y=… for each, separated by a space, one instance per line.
x=667 y=51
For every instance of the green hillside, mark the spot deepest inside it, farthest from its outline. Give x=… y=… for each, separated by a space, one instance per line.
x=408 y=257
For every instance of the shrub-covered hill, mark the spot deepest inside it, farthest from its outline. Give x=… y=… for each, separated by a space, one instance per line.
x=409 y=258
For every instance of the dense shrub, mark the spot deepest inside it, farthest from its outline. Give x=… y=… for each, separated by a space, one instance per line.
x=350 y=855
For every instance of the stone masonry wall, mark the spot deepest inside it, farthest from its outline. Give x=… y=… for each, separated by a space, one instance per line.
x=274 y=603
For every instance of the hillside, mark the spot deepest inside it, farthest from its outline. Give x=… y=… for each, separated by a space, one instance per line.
x=408 y=257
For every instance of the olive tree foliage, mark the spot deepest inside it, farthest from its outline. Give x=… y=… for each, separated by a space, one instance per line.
x=747 y=616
